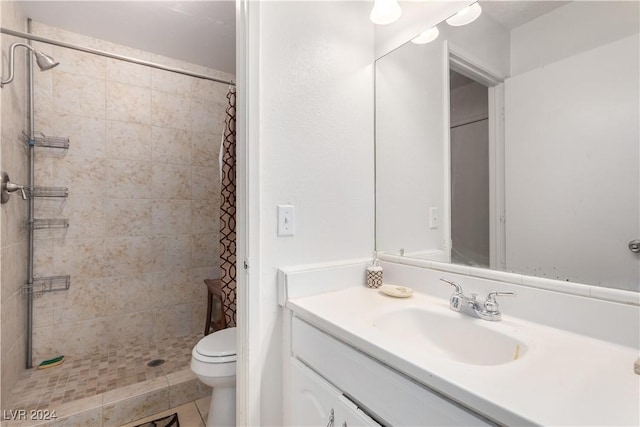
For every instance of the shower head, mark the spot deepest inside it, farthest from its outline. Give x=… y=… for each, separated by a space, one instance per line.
x=44 y=61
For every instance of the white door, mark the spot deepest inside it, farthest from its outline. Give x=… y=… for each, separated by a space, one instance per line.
x=572 y=176
x=313 y=400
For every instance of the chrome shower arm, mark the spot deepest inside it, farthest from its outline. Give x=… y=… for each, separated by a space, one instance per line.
x=44 y=61
x=12 y=61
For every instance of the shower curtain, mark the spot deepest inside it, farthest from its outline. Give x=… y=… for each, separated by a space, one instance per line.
x=228 y=211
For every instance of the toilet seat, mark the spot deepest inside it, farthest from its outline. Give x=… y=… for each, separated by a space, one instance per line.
x=219 y=347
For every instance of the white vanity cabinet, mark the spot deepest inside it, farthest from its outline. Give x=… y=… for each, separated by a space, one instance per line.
x=326 y=373
x=315 y=402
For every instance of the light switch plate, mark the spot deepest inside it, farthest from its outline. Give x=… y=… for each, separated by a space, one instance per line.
x=286 y=220
x=434 y=218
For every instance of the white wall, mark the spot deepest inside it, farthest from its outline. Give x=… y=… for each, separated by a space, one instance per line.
x=315 y=152
x=410 y=130
x=593 y=23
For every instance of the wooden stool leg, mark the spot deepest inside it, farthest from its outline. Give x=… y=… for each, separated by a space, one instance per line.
x=215 y=290
x=223 y=318
x=207 y=324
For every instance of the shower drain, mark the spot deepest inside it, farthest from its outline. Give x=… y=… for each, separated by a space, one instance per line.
x=155 y=362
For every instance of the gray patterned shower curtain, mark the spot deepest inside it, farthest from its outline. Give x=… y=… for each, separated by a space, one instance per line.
x=228 y=212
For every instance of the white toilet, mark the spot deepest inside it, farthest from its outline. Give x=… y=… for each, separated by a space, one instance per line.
x=213 y=360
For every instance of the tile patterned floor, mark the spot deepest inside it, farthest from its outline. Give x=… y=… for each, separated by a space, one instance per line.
x=78 y=378
x=192 y=414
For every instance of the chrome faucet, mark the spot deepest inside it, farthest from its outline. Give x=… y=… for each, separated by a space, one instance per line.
x=487 y=310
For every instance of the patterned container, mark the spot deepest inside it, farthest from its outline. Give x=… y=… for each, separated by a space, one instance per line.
x=374 y=276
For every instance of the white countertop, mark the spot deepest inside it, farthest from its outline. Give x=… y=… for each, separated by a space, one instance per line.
x=562 y=378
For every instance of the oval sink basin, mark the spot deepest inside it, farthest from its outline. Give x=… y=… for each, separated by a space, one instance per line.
x=451 y=335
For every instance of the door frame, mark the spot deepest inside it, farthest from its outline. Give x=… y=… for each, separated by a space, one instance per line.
x=462 y=62
x=249 y=366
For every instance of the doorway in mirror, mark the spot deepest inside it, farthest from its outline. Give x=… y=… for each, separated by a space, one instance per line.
x=469 y=158
x=475 y=164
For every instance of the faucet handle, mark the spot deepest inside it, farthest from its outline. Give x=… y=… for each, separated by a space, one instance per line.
x=491 y=305
x=454 y=300
x=494 y=294
x=12 y=187
x=454 y=284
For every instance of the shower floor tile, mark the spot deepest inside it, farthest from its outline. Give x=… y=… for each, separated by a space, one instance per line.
x=80 y=377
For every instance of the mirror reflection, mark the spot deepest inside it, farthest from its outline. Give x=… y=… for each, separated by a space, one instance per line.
x=512 y=142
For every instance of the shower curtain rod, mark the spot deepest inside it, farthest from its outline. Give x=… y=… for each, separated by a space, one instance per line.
x=112 y=55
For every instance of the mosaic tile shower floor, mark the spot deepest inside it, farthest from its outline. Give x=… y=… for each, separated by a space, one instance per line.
x=93 y=374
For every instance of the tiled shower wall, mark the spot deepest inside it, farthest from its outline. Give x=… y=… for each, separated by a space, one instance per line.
x=13 y=236
x=143 y=179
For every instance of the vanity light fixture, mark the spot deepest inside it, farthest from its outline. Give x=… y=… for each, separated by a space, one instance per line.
x=427 y=36
x=385 y=12
x=465 y=16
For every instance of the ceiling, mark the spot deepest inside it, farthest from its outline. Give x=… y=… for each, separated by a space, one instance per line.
x=196 y=31
x=512 y=14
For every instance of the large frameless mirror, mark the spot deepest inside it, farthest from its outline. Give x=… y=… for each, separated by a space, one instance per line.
x=512 y=143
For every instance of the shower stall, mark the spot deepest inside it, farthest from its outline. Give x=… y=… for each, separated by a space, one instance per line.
x=134 y=231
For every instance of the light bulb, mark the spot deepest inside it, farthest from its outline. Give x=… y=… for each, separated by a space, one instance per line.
x=385 y=12
x=465 y=16
x=427 y=36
